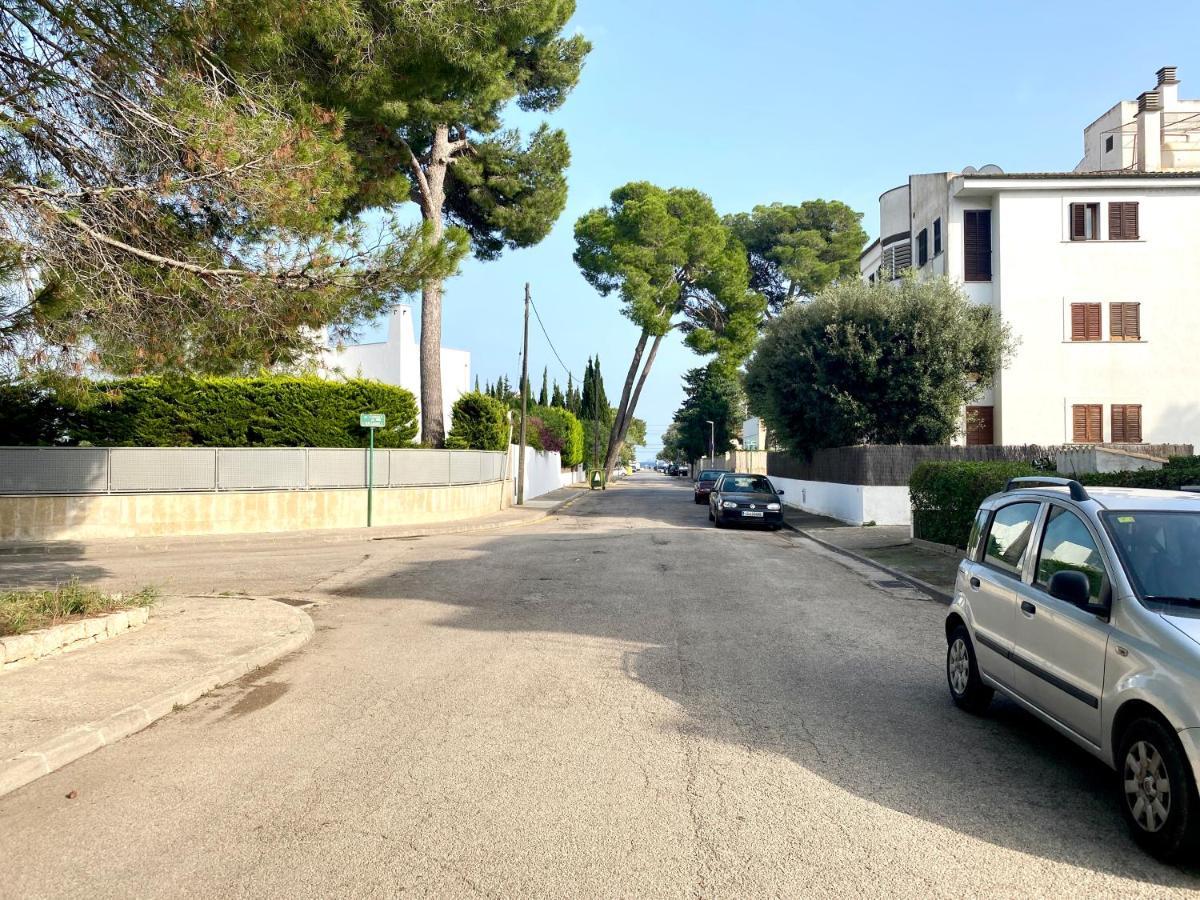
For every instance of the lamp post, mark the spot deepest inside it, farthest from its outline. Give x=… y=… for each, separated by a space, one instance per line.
x=712 y=441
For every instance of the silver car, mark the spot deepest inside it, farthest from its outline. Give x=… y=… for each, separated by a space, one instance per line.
x=1083 y=606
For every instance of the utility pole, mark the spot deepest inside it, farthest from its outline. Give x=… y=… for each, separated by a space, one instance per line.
x=524 y=404
x=712 y=442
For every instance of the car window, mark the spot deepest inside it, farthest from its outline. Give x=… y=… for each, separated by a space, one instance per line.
x=1159 y=549
x=1008 y=538
x=977 y=527
x=710 y=475
x=1067 y=545
x=745 y=484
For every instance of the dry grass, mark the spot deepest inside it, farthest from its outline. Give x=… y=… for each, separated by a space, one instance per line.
x=22 y=611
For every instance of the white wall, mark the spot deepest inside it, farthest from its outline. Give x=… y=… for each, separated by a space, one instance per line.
x=398 y=361
x=543 y=471
x=1041 y=272
x=852 y=503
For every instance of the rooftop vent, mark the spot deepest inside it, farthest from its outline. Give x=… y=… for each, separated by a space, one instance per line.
x=1149 y=101
x=1166 y=75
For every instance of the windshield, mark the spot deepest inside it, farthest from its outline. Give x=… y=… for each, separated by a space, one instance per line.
x=1161 y=552
x=745 y=484
x=710 y=475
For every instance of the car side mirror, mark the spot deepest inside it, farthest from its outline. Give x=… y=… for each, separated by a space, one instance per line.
x=1073 y=587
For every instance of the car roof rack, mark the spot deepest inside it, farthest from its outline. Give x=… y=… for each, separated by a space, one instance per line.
x=1077 y=490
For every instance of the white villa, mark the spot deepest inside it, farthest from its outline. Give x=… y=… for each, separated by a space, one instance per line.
x=1095 y=270
x=398 y=361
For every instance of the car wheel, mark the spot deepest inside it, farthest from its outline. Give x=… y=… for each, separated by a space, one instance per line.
x=962 y=674
x=710 y=515
x=1160 y=803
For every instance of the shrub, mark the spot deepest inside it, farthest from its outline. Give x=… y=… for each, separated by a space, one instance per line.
x=562 y=431
x=945 y=496
x=269 y=411
x=1179 y=471
x=479 y=422
x=30 y=416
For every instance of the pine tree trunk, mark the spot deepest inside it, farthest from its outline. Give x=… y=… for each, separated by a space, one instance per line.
x=433 y=199
x=631 y=406
x=623 y=407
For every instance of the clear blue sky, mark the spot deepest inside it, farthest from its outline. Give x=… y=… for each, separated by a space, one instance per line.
x=755 y=102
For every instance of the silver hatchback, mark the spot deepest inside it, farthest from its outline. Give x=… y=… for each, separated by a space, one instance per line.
x=1083 y=606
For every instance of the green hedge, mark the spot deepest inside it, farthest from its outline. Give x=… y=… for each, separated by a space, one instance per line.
x=270 y=411
x=479 y=422
x=945 y=496
x=560 y=430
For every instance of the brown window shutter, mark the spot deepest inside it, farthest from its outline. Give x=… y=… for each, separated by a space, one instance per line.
x=1078 y=213
x=1078 y=322
x=977 y=245
x=1131 y=317
x=1118 y=424
x=1123 y=221
x=981 y=429
x=1087 y=423
x=1093 y=321
x=1133 y=423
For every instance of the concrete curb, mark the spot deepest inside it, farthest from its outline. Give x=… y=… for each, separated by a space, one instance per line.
x=923 y=586
x=491 y=526
x=19 y=650
x=32 y=764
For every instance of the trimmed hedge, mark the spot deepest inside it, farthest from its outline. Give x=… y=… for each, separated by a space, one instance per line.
x=269 y=411
x=480 y=422
x=945 y=496
x=560 y=430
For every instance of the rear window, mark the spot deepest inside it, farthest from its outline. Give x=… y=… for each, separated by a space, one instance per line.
x=1008 y=538
x=711 y=474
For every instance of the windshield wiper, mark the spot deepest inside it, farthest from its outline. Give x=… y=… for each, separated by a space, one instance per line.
x=1162 y=598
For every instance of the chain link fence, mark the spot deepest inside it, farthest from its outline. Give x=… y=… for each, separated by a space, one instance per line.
x=132 y=470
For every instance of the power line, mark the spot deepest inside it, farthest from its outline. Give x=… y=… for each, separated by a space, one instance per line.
x=546 y=334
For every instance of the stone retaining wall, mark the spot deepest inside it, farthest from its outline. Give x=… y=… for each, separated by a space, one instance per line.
x=22 y=649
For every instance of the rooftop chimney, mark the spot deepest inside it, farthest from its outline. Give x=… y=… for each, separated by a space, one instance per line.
x=1149 y=132
x=1168 y=88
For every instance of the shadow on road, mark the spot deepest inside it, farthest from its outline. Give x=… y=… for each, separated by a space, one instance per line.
x=863 y=705
x=44 y=565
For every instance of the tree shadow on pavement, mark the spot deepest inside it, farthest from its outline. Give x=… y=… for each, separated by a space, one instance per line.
x=767 y=646
x=45 y=565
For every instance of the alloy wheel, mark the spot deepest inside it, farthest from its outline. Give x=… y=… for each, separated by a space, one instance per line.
x=1147 y=786
x=959 y=666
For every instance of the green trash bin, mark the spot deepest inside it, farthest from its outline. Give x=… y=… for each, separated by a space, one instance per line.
x=596 y=480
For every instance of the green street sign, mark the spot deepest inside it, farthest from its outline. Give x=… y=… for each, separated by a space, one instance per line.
x=372 y=420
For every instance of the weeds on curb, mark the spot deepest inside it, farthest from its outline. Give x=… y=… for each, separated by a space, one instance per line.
x=22 y=611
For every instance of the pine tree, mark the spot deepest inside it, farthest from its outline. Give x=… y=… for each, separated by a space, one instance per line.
x=477 y=384
x=557 y=399
x=544 y=396
x=572 y=401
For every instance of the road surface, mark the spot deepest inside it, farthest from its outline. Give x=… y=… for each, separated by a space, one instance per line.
x=622 y=700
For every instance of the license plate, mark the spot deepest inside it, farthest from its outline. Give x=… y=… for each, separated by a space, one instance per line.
x=756 y=515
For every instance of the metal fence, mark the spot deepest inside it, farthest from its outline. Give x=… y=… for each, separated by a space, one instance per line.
x=893 y=464
x=135 y=470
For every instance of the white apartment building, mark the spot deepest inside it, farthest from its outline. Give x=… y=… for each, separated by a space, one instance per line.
x=1095 y=271
x=397 y=360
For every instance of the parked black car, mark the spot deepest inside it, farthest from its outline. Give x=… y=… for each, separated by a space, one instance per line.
x=705 y=482
x=739 y=497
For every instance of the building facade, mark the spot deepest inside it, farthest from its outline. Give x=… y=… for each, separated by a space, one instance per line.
x=397 y=360
x=1092 y=270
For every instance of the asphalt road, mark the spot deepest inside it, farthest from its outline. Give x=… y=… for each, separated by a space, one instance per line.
x=620 y=701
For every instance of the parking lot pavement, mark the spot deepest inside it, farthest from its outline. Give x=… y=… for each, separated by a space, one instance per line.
x=619 y=700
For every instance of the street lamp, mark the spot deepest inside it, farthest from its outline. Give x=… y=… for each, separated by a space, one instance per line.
x=712 y=441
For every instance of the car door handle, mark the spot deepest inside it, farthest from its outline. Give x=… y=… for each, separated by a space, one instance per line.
x=1028 y=608
x=974 y=583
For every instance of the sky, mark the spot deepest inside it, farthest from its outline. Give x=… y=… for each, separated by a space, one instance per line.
x=755 y=102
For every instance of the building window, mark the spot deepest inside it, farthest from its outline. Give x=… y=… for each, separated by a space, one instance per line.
x=1085 y=221
x=1108 y=144
x=937 y=236
x=1087 y=423
x=923 y=247
x=977 y=245
x=1123 y=221
x=896 y=258
x=1125 y=321
x=981 y=429
x=1085 y=321
x=1126 y=423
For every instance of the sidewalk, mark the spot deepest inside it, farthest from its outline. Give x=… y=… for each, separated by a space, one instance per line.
x=64 y=707
x=887 y=546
